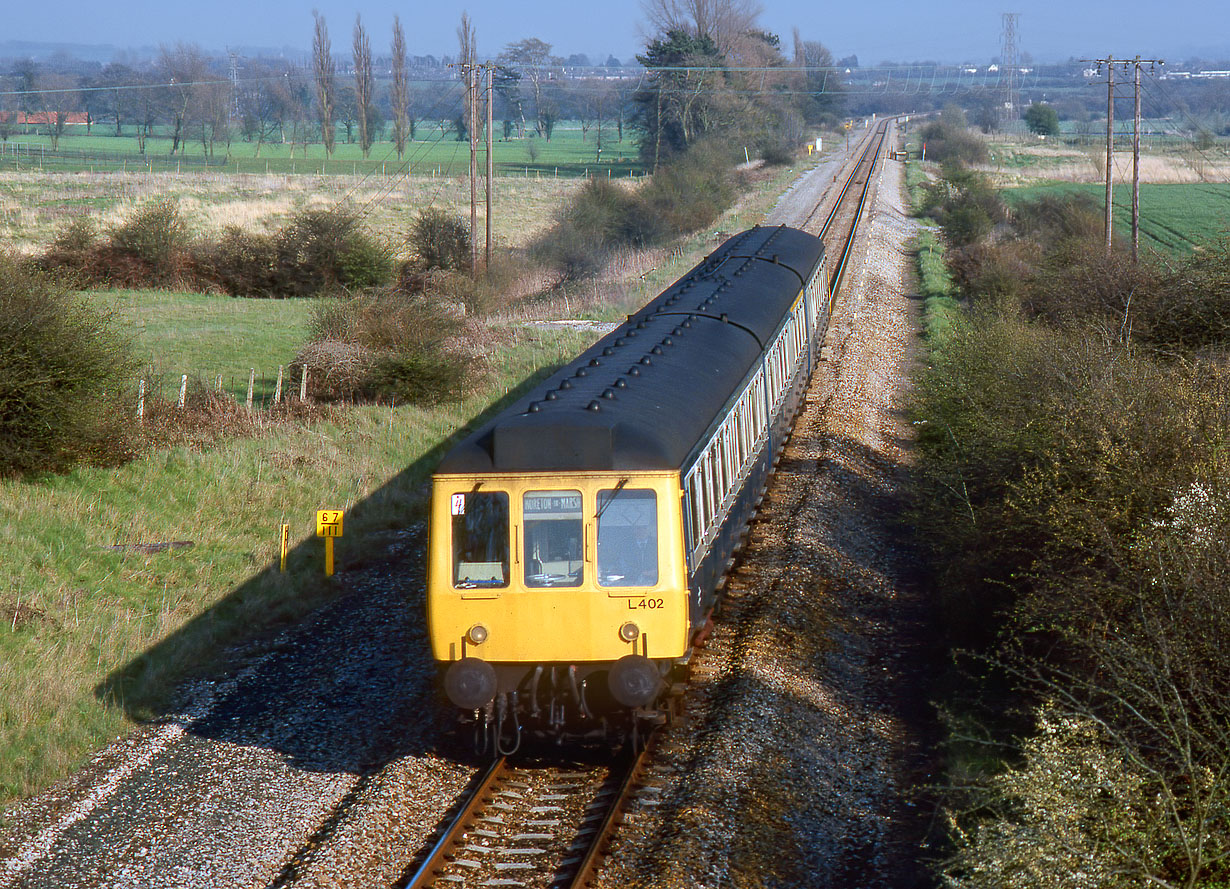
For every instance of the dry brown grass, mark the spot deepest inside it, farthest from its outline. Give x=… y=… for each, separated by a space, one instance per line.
x=1025 y=163
x=34 y=205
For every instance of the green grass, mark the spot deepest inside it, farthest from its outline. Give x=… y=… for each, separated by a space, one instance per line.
x=97 y=610
x=568 y=153
x=1174 y=218
x=940 y=305
x=208 y=335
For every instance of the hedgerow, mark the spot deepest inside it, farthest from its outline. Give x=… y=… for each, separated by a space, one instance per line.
x=1075 y=451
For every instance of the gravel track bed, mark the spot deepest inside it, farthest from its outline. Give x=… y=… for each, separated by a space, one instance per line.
x=807 y=726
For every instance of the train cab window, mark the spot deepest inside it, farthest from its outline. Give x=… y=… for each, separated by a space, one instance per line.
x=554 y=538
x=627 y=537
x=480 y=539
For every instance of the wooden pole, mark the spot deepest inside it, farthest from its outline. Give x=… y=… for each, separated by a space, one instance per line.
x=1110 y=148
x=1136 y=165
x=490 y=163
x=251 y=385
x=472 y=104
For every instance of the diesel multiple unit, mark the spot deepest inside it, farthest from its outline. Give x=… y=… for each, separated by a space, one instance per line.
x=578 y=538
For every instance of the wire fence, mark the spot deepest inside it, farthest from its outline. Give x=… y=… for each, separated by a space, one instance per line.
x=258 y=391
x=33 y=155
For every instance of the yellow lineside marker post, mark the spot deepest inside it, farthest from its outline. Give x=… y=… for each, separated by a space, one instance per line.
x=285 y=547
x=328 y=526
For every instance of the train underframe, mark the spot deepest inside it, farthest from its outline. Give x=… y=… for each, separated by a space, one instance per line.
x=609 y=703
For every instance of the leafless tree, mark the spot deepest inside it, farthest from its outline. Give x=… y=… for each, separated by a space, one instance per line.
x=324 y=70
x=725 y=22
x=532 y=59
x=183 y=69
x=467 y=58
x=400 y=97
x=364 y=84
x=56 y=98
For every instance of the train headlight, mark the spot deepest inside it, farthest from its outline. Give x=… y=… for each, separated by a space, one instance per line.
x=477 y=634
x=629 y=631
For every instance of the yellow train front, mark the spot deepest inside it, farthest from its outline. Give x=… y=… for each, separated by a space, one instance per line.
x=577 y=539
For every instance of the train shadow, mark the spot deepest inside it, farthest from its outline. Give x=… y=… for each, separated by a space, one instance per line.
x=347 y=688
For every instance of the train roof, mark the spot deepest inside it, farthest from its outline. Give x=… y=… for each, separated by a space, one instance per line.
x=644 y=395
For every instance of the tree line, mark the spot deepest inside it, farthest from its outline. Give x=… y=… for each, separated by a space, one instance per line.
x=198 y=101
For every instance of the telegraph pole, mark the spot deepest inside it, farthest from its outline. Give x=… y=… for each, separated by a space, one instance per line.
x=1110 y=62
x=1110 y=149
x=1136 y=154
x=490 y=164
x=472 y=114
x=1136 y=160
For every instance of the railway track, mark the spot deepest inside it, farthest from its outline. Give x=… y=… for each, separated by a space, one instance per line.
x=541 y=826
x=840 y=228
x=536 y=825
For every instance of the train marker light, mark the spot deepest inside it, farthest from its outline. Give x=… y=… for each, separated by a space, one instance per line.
x=477 y=634
x=629 y=631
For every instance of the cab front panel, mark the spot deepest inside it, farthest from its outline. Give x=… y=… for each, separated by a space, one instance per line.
x=553 y=568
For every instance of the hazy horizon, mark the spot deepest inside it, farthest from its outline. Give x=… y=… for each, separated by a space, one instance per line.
x=952 y=31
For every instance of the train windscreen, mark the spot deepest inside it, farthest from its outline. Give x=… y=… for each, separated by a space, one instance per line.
x=627 y=537
x=554 y=534
x=480 y=539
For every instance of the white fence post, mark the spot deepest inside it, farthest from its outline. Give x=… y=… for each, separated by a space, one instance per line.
x=183 y=391
x=303 y=384
x=277 y=391
x=141 y=401
x=251 y=386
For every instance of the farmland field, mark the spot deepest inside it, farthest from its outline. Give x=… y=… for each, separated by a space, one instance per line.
x=571 y=151
x=34 y=206
x=1173 y=218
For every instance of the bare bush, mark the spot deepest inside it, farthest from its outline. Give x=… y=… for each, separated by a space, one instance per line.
x=388 y=346
x=440 y=240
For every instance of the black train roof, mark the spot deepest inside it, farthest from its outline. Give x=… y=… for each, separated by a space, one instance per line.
x=643 y=396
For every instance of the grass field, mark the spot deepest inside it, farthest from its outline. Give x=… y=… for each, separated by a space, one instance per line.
x=569 y=152
x=204 y=336
x=81 y=624
x=1173 y=218
x=74 y=610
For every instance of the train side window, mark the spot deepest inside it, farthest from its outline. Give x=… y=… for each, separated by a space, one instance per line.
x=727 y=477
x=627 y=537
x=711 y=502
x=696 y=498
x=480 y=539
x=554 y=538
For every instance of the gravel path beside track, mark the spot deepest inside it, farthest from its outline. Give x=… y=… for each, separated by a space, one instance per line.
x=311 y=767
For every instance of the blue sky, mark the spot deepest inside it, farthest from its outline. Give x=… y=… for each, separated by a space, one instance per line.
x=875 y=30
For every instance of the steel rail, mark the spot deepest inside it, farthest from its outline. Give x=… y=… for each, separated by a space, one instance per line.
x=436 y=859
x=590 y=864
x=871 y=155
